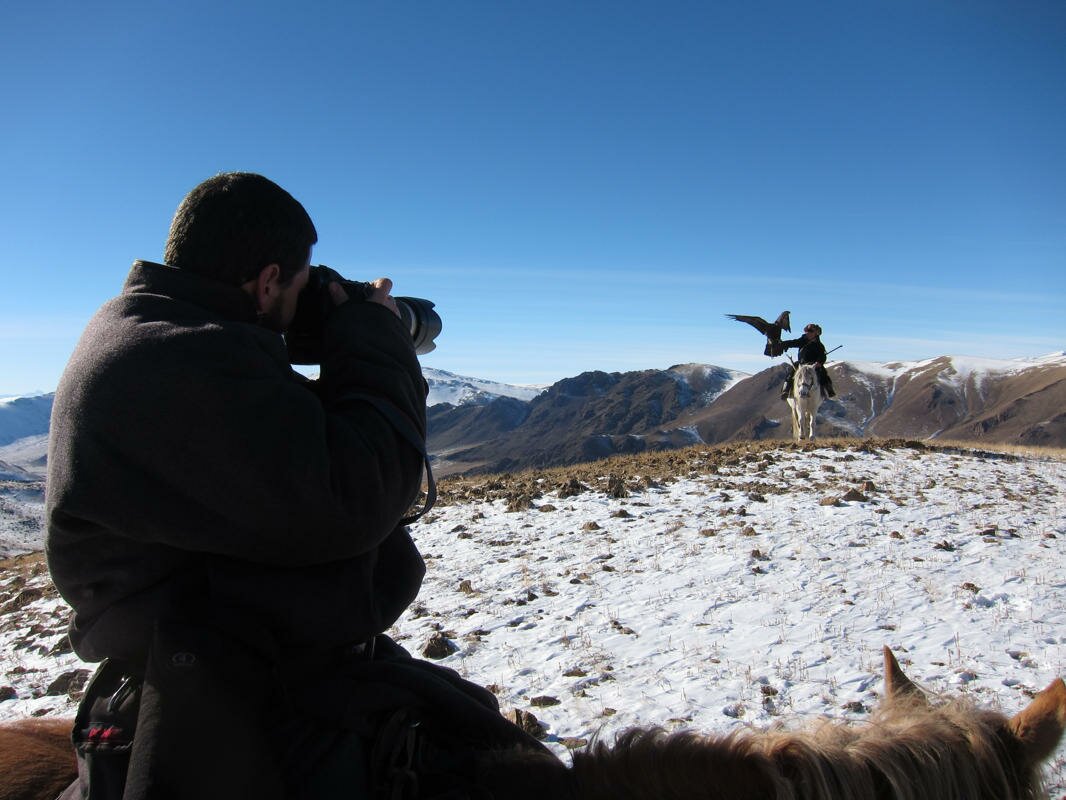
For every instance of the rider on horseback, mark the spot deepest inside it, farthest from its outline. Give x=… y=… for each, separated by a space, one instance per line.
x=811 y=351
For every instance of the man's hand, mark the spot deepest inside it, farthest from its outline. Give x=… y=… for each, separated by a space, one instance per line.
x=380 y=295
x=382 y=287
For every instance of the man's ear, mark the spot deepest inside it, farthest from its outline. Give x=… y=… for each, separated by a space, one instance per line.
x=264 y=287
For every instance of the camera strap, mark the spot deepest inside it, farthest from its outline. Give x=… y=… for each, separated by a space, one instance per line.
x=403 y=426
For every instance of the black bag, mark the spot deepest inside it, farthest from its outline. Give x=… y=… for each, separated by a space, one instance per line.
x=103 y=733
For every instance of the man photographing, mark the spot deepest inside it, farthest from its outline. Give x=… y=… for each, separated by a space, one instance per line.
x=228 y=533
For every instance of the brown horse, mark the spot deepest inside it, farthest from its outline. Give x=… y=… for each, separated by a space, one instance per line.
x=36 y=759
x=910 y=750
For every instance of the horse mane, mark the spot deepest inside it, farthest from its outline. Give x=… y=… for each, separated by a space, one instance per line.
x=907 y=751
x=910 y=749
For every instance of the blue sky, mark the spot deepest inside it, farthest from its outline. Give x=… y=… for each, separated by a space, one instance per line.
x=580 y=185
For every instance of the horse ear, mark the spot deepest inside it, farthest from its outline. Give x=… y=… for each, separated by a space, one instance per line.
x=897 y=684
x=1038 y=727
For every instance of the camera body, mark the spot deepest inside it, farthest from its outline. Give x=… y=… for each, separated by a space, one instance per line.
x=304 y=337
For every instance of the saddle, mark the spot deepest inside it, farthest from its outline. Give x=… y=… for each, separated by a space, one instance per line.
x=427 y=729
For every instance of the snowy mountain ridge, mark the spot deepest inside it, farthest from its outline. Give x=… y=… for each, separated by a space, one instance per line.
x=460 y=390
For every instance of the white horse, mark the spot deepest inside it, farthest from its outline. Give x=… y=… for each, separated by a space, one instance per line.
x=804 y=399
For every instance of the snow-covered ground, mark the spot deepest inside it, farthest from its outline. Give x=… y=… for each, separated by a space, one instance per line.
x=733 y=595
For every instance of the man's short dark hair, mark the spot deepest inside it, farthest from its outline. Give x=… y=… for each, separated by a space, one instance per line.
x=234 y=224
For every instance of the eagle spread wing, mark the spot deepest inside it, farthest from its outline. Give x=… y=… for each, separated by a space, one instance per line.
x=761 y=325
x=772 y=330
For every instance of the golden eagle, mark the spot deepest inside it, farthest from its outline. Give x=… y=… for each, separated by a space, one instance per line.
x=772 y=330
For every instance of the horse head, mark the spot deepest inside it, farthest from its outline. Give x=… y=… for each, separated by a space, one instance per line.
x=806 y=380
x=1035 y=731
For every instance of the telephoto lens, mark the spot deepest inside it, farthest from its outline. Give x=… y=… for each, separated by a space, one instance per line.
x=423 y=322
x=304 y=337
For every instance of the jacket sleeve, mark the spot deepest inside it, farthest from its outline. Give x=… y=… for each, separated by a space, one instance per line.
x=208 y=442
x=788 y=344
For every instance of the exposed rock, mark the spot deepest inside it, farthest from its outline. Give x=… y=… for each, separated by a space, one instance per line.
x=736 y=710
x=519 y=502
x=572 y=488
x=439 y=647
x=543 y=701
x=69 y=683
x=527 y=722
x=22 y=599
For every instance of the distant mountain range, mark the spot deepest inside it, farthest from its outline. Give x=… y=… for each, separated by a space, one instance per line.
x=598 y=414
x=484 y=426
x=24 y=436
x=24 y=416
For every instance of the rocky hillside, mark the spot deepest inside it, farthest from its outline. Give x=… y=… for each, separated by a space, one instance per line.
x=598 y=414
x=590 y=416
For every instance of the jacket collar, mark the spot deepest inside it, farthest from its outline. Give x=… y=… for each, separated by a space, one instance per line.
x=227 y=301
